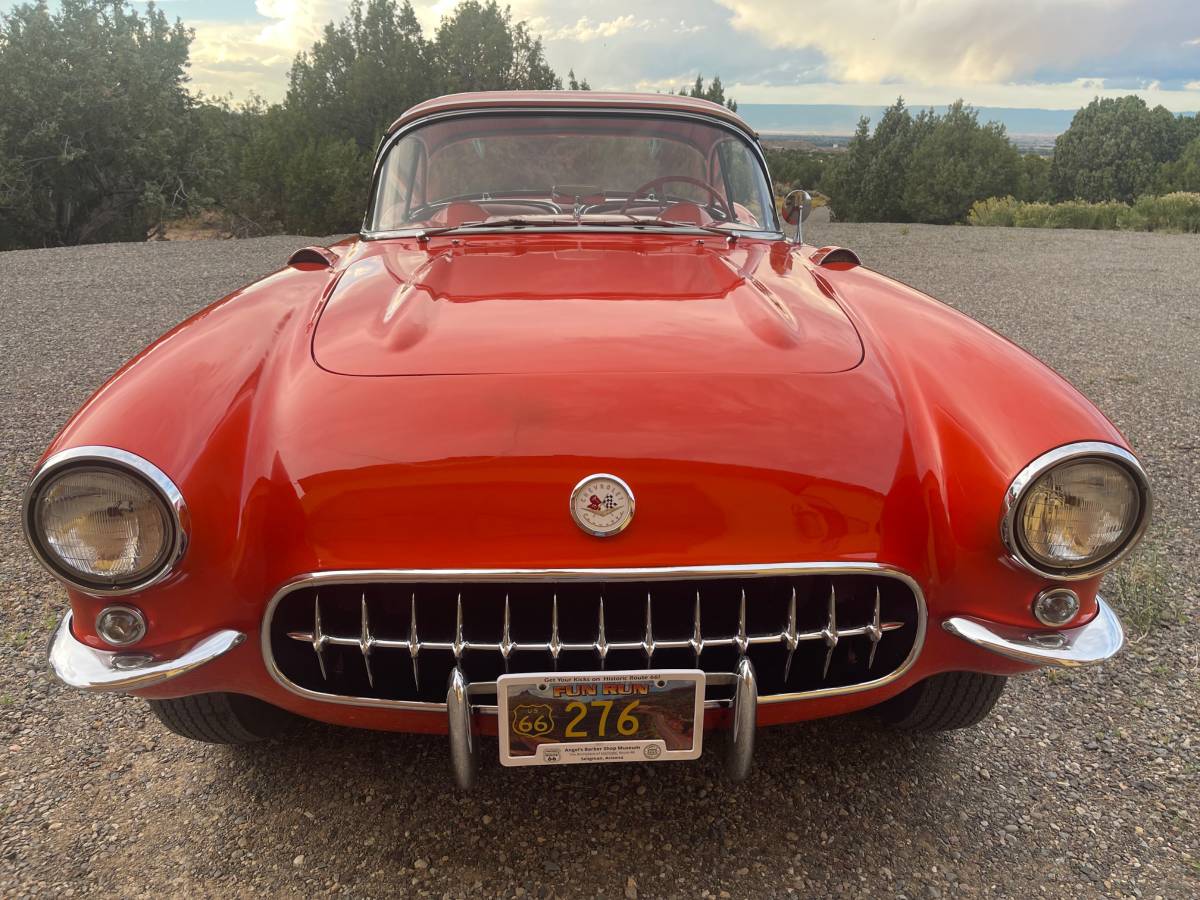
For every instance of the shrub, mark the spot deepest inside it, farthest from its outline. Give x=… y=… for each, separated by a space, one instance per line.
x=1032 y=215
x=1179 y=212
x=1081 y=214
x=995 y=212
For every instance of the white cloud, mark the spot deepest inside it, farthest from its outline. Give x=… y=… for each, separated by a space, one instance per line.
x=242 y=56
x=584 y=29
x=1016 y=53
x=961 y=41
x=1042 y=95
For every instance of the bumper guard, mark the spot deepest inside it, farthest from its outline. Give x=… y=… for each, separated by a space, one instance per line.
x=1087 y=645
x=80 y=666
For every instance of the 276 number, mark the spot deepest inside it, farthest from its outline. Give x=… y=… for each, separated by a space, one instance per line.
x=627 y=722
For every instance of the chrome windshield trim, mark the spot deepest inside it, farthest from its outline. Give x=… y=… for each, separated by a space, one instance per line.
x=663 y=573
x=1044 y=463
x=1087 y=645
x=389 y=140
x=80 y=666
x=112 y=457
x=538 y=228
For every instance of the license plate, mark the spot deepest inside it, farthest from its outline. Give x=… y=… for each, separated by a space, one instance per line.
x=599 y=717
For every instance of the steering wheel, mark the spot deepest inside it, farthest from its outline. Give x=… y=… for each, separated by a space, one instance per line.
x=678 y=179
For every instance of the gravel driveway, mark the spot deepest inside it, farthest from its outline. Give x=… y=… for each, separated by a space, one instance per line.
x=1084 y=784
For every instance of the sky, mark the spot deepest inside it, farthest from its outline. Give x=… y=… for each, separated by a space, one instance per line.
x=1051 y=54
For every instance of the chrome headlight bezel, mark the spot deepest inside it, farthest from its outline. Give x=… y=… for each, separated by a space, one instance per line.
x=1093 y=451
x=129 y=465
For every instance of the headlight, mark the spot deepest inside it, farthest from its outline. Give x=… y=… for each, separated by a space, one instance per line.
x=1075 y=511
x=105 y=521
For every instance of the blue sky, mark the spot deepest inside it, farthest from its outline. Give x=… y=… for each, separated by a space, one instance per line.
x=1025 y=53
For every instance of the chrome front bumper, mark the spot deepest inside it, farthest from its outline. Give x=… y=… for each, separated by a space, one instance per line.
x=80 y=666
x=1087 y=645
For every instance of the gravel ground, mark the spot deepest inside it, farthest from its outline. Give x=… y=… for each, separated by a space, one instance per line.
x=1083 y=784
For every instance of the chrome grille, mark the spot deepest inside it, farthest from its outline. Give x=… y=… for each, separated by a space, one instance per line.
x=397 y=640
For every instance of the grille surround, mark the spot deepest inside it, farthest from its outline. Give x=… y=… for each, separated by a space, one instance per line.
x=588 y=575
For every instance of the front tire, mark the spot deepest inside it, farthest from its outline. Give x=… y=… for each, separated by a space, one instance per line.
x=944 y=702
x=221 y=718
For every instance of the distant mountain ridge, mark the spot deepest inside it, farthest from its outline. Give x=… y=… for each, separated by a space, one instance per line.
x=833 y=119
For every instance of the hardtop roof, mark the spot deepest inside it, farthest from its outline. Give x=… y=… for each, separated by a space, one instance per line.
x=570 y=99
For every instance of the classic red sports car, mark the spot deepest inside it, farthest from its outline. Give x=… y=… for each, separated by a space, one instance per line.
x=575 y=446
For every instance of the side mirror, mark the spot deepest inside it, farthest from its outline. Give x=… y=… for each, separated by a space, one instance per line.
x=797 y=206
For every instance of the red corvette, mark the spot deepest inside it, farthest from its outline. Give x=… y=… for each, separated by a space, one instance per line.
x=575 y=446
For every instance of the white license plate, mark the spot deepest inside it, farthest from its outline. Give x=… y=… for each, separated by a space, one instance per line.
x=556 y=718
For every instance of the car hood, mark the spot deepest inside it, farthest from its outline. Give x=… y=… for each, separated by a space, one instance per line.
x=511 y=305
x=289 y=468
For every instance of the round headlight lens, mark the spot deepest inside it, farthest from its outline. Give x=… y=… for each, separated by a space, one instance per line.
x=1077 y=514
x=102 y=526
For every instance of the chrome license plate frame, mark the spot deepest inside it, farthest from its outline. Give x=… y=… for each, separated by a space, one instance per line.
x=538 y=724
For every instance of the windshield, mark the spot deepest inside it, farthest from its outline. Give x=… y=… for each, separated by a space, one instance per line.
x=566 y=169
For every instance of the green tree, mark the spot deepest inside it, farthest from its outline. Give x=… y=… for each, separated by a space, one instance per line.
x=1184 y=173
x=1114 y=149
x=954 y=162
x=892 y=146
x=846 y=174
x=715 y=92
x=305 y=165
x=574 y=84
x=1033 y=179
x=479 y=48
x=93 y=122
x=364 y=70
x=793 y=168
x=923 y=168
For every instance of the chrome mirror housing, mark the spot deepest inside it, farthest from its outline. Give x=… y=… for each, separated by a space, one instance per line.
x=797 y=206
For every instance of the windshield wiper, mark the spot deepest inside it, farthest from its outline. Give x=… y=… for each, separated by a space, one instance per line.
x=427 y=233
x=667 y=223
x=516 y=221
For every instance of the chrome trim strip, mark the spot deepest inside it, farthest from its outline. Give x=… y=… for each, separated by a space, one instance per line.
x=388 y=140
x=1041 y=465
x=80 y=666
x=664 y=573
x=1098 y=640
x=111 y=457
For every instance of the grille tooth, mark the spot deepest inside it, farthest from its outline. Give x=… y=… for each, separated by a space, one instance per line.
x=742 y=641
x=601 y=645
x=648 y=642
x=366 y=641
x=830 y=633
x=697 y=641
x=765 y=620
x=555 y=645
x=318 y=637
x=874 y=631
x=460 y=645
x=506 y=641
x=414 y=643
x=790 y=635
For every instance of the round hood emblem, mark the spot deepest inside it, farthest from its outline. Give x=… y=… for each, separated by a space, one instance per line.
x=602 y=505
